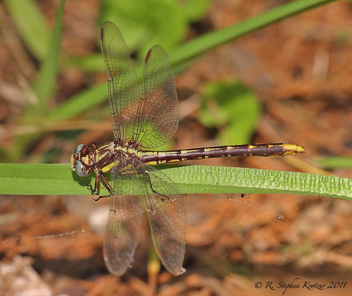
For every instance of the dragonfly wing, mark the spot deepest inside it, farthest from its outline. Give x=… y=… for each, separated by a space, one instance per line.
x=124 y=223
x=122 y=233
x=158 y=110
x=168 y=220
x=123 y=87
x=152 y=119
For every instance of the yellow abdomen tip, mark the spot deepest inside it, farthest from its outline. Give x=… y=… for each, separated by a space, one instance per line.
x=300 y=149
x=293 y=149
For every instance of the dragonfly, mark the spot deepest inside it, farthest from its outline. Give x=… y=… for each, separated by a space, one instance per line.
x=141 y=120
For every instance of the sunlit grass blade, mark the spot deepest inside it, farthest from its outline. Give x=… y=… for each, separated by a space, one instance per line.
x=47 y=179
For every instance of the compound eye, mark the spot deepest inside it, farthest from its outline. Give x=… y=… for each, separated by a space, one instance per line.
x=80 y=169
x=79 y=147
x=82 y=149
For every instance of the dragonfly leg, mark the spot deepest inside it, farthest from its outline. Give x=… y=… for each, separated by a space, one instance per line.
x=94 y=190
x=106 y=183
x=147 y=173
x=100 y=176
x=102 y=196
x=152 y=186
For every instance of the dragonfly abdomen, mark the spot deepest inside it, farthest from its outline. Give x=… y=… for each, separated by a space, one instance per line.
x=274 y=149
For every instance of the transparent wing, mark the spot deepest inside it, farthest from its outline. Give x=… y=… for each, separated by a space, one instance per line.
x=153 y=119
x=124 y=223
x=122 y=233
x=168 y=220
x=158 y=110
x=123 y=88
x=166 y=214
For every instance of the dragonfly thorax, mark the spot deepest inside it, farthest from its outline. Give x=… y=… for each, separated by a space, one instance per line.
x=85 y=158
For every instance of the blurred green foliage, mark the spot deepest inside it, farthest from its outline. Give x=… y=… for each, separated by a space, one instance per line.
x=334 y=162
x=45 y=82
x=31 y=25
x=146 y=23
x=233 y=109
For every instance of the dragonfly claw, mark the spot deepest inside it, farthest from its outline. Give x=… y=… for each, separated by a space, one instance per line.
x=98 y=198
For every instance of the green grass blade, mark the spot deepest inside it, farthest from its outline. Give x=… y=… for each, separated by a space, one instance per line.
x=81 y=102
x=46 y=81
x=58 y=179
x=31 y=25
x=334 y=162
x=211 y=40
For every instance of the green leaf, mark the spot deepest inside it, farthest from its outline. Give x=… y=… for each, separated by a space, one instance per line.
x=233 y=109
x=31 y=25
x=194 y=9
x=145 y=23
x=49 y=179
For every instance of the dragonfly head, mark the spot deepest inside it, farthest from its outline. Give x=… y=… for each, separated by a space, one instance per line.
x=77 y=164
